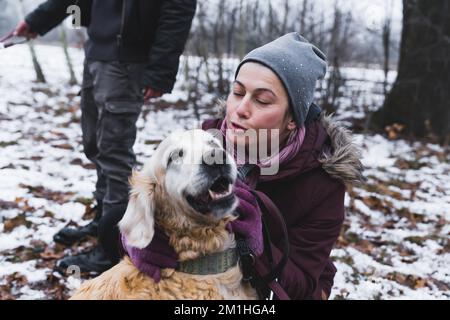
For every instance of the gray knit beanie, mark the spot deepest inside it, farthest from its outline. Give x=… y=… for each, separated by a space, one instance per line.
x=298 y=64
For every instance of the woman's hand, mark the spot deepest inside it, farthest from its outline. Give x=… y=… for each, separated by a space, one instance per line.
x=248 y=224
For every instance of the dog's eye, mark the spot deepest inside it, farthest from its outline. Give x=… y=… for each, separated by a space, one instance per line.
x=212 y=143
x=175 y=155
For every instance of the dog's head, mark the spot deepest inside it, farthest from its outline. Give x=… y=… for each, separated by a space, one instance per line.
x=189 y=179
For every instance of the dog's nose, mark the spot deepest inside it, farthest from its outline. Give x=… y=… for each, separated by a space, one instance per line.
x=214 y=157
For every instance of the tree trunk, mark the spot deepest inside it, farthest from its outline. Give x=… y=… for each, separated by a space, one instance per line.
x=65 y=45
x=420 y=97
x=242 y=31
x=303 y=13
x=286 y=16
x=386 y=41
x=37 y=66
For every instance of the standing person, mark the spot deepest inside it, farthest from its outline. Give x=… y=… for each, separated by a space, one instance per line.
x=274 y=90
x=132 y=55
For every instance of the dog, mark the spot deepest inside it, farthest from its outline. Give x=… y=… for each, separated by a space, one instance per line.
x=186 y=189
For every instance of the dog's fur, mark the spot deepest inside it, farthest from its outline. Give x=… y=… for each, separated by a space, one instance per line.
x=159 y=196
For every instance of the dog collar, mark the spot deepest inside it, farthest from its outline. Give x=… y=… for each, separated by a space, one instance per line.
x=210 y=264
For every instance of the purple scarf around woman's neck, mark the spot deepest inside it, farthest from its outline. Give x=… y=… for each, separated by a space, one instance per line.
x=293 y=144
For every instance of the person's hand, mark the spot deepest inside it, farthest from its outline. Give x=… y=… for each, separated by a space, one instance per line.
x=151 y=93
x=23 y=30
x=158 y=255
x=248 y=224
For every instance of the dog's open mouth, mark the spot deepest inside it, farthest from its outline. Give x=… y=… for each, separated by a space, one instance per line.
x=220 y=188
x=218 y=195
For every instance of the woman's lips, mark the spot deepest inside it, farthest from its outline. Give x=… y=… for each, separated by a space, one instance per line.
x=236 y=127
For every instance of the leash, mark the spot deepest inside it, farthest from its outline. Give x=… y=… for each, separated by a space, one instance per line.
x=8 y=36
x=4 y=43
x=266 y=275
x=255 y=270
x=276 y=288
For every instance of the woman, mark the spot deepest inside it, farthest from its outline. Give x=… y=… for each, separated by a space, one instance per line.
x=274 y=89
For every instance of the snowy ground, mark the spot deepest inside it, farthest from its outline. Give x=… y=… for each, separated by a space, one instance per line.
x=394 y=245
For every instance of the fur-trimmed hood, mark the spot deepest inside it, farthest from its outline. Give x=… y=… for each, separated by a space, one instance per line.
x=329 y=145
x=343 y=160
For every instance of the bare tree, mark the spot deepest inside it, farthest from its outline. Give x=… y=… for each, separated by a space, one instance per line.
x=242 y=34
x=386 y=37
x=37 y=66
x=202 y=49
x=231 y=30
x=63 y=37
x=272 y=21
x=303 y=13
x=420 y=96
x=337 y=46
x=285 y=17
x=218 y=50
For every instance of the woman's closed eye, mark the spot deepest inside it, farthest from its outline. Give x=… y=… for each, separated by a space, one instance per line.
x=262 y=102
x=258 y=100
x=263 y=99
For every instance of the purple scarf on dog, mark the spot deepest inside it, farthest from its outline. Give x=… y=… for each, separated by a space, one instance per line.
x=158 y=254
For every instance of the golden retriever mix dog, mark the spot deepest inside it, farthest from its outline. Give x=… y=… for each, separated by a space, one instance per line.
x=186 y=188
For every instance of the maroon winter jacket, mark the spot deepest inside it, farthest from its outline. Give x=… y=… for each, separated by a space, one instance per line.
x=309 y=191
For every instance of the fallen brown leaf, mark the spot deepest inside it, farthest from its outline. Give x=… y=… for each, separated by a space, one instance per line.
x=50 y=254
x=11 y=224
x=65 y=146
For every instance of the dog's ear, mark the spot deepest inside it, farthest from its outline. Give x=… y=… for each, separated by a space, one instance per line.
x=137 y=223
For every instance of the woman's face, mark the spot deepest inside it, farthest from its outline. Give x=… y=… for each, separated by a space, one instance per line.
x=257 y=101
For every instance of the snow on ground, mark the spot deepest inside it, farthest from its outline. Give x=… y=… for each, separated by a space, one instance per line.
x=394 y=244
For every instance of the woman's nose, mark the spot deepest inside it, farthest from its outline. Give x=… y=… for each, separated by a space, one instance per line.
x=243 y=109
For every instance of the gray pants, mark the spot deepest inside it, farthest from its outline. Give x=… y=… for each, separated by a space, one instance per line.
x=111 y=101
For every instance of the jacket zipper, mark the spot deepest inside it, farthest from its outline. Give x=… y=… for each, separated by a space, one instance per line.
x=122 y=25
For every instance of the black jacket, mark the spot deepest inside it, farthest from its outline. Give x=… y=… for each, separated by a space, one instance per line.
x=150 y=31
